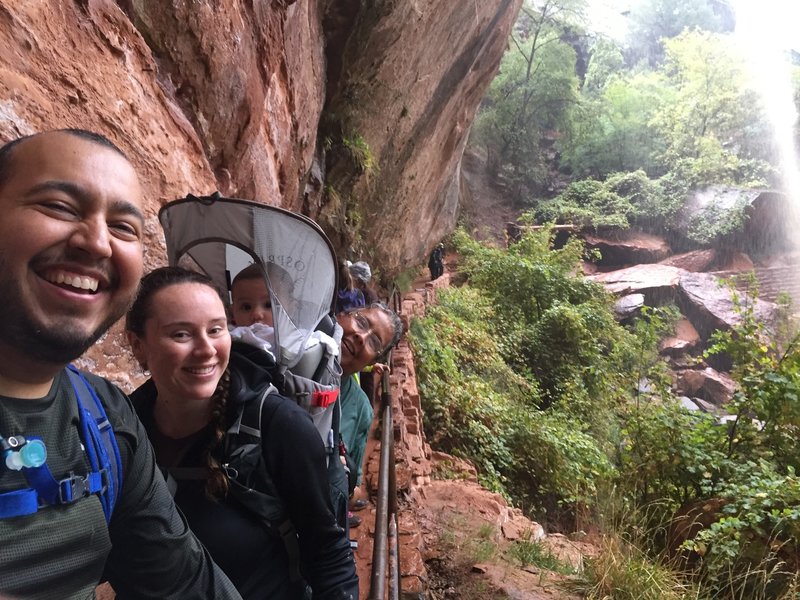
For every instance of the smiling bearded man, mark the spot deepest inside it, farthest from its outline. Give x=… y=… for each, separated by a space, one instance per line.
x=71 y=236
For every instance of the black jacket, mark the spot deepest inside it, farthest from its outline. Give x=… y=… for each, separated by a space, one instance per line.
x=294 y=456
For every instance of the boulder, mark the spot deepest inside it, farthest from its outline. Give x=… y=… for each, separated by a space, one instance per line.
x=709 y=408
x=710 y=306
x=684 y=341
x=694 y=261
x=771 y=225
x=707 y=384
x=628 y=248
x=768 y=227
x=735 y=262
x=656 y=282
x=689 y=404
x=629 y=306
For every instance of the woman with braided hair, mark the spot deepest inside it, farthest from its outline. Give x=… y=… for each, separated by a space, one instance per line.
x=177 y=328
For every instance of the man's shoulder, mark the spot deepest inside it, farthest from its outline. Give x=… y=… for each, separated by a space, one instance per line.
x=115 y=402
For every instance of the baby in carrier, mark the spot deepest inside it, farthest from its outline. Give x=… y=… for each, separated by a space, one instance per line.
x=251 y=309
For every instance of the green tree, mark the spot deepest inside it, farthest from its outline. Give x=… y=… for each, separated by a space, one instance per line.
x=653 y=21
x=605 y=61
x=612 y=129
x=712 y=126
x=532 y=94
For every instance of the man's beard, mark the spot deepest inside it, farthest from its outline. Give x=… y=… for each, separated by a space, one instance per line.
x=56 y=345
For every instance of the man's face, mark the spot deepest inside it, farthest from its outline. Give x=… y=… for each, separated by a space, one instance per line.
x=70 y=245
x=366 y=333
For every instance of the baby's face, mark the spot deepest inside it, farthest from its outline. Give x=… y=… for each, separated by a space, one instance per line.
x=251 y=303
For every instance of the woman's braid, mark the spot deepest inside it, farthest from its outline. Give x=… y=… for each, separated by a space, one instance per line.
x=217 y=484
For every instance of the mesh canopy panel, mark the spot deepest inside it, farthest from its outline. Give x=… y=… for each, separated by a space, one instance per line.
x=221 y=236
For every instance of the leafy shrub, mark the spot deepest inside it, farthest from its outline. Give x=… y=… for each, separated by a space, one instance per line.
x=528 y=333
x=621 y=200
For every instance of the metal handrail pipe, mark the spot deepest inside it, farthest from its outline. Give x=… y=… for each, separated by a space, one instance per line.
x=377 y=588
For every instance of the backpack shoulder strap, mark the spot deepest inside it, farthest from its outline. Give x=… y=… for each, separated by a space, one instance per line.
x=100 y=444
x=247 y=428
x=249 y=419
x=98 y=439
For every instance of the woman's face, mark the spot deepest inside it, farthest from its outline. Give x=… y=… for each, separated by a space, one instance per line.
x=366 y=333
x=186 y=344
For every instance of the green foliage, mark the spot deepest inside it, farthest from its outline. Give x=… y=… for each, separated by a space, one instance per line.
x=532 y=94
x=525 y=373
x=527 y=334
x=767 y=402
x=715 y=221
x=696 y=117
x=611 y=128
x=708 y=128
x=360 y=153
x=677 y=458
x=750 y=549
x=528 y=552
x=670 y=455
x=620 y=201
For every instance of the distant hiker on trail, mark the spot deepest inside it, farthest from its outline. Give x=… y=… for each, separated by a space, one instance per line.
x=368 y=334
x=436 y=262
x=263 y=509
x=348 y=296
x=362 y=275
x=80 y=495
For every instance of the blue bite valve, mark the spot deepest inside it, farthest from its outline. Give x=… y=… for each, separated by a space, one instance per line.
x=34 y=453
x=20 y=453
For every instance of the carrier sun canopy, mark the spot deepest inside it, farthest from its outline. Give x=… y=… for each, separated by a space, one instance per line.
x=221 y=236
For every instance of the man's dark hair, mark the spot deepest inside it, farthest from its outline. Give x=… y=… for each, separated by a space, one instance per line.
x=7 y=150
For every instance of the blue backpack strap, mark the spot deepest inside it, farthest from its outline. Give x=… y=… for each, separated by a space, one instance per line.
x=18 y=503
x=100 y=444
x=99 y=441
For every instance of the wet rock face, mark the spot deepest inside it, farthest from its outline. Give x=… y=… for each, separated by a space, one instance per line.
x=413 y=76
x=249 y=78
x=685 y=340
x=707 y=384
x=229 y=94
x=710 y=306
x=628 y=248
x=657 y=283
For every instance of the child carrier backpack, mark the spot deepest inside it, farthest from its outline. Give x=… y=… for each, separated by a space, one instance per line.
x=220 y=237
x=28 y=455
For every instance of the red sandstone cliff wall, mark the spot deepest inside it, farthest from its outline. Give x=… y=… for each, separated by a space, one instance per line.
x=228 y=95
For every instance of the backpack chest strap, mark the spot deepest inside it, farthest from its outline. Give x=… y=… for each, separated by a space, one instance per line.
x=46 y=489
